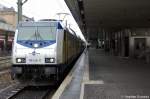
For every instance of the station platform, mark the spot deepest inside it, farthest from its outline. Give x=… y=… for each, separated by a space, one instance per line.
x=98 y=75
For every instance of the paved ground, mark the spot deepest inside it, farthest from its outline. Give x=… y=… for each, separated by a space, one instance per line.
x=123 y=78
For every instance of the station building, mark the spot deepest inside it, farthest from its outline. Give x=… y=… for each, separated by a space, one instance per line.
x=8 y=23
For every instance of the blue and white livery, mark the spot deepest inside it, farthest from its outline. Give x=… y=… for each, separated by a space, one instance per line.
x=43 y=49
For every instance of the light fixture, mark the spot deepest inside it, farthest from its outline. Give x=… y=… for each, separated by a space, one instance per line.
x=35 y=45
x=49 y=60
x=20 y=60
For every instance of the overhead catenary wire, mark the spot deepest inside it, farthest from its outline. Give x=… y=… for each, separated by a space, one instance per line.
x=71 y=19
x=62 y=5
x=13 y=3
x=63 y=10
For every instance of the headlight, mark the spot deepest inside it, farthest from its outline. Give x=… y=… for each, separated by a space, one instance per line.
x=49 y=60
x=20 y=60
x=35 y=45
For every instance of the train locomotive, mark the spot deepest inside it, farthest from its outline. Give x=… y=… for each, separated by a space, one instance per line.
x=44 y=49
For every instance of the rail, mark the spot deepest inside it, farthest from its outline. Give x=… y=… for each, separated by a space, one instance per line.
x=30 y=92
x=5 y=60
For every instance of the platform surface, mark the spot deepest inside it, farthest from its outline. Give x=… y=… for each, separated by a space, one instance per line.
x=123 y=78
x=98 y=75
x=73 y=90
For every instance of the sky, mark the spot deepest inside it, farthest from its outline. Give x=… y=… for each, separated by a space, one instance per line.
x=45 y=9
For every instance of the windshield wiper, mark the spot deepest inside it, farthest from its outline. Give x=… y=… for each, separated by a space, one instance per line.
x=38 y=36
x=32 y=37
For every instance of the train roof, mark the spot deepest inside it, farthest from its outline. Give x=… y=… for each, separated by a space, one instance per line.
x=50 y=23
x=41 y=23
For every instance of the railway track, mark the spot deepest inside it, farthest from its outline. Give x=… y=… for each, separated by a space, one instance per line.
x=4 y=72
x=23 y=90
x=10 y=90
x=5 y=60
x=26 y=92
x=19 y=90
x=32 y=93
x=5 y=63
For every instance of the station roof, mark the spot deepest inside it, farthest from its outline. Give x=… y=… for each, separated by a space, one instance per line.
x=112 y=14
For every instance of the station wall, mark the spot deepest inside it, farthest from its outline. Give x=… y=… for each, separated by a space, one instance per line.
x=139 y=42
x=133 y=42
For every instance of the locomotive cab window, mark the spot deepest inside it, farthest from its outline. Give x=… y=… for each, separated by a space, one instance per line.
x=37 y=33
x=47 y=33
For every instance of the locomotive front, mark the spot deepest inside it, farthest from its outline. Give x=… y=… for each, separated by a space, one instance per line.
x=34 y=49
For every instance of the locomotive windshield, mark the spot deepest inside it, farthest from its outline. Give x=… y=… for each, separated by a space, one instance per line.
x=37 y=33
